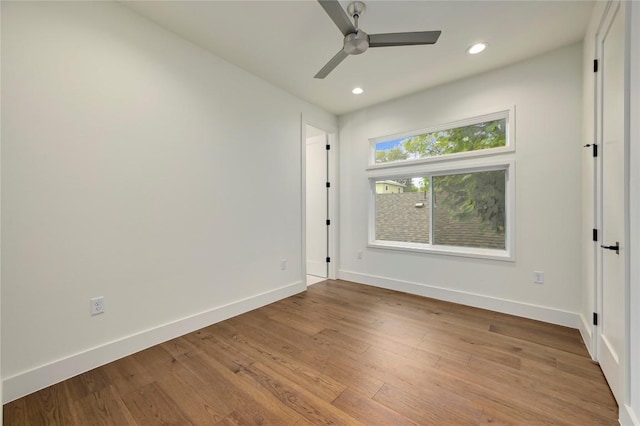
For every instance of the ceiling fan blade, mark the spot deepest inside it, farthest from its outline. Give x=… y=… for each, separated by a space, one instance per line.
x=339 y=57
x=338 y=16
x=403 y=39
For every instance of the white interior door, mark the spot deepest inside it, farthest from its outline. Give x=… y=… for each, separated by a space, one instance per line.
x=317 y=230
x=611 y=330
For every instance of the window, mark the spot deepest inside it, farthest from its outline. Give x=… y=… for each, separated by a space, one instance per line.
x=483 y=135
x=460 y=204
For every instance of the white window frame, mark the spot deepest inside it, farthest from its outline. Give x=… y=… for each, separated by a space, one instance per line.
x=466 y=162
x=508 y=114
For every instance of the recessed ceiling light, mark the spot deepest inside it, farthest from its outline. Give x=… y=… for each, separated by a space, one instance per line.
x=476 y=48
x=357 y=91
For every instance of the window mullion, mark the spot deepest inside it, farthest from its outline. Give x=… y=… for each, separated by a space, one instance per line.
x=431 y=227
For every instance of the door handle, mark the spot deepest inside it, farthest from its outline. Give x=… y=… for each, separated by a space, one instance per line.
x=616 y=247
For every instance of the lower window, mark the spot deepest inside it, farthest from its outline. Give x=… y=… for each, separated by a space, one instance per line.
x=458 y=212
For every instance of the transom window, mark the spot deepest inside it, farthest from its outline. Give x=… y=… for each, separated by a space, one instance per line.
x=475 y=136
x=461 y=205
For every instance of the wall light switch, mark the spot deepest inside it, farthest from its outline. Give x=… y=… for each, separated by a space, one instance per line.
x=538 y=277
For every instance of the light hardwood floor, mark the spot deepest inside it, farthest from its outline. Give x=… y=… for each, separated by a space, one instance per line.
x=342 y=353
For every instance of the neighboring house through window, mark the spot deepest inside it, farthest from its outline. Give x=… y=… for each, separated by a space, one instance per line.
x=447 y=189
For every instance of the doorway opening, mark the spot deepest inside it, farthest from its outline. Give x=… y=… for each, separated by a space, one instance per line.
x=317 y=205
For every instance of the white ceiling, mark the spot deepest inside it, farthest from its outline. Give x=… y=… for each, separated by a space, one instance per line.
x=287 y=42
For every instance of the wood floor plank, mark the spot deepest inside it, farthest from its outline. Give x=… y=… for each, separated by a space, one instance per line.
x=331 y=337
x=305 y=403
x=280 y=347
x=306 y=374
x=194 y=403
x=472 y=344
x=396 y=345
x=15 y=412
x=569 y=343
x=369 y=411
x=516 y=394
x=151 y=405
x=50 y=406
x=87 y=383
x=127 y=375
x=212 y=393
x=342 y=353
x=239 y=393
x=298 y=322
x=182 y=345
x=423 y=412
x=103 y=407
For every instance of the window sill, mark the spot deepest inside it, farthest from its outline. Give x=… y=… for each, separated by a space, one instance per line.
x=472 y=252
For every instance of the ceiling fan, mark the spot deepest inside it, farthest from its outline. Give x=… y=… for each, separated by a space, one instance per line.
x=357 y=41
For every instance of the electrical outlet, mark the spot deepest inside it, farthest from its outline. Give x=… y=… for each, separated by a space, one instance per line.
x=538 y=277
x=359 y=255
x=283 y=264
x=97 y=305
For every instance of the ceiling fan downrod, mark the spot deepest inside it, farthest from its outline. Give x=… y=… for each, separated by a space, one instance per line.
x=357 y=42
x=356 y=9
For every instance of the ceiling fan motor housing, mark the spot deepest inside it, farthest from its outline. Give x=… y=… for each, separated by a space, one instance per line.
x=356 y=43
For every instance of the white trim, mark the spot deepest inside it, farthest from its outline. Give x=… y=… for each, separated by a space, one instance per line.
x=630 y=412
x=627 y=416
x=625 y=365
x=511 y=307
x=26 y=382
x=303 y=198
x=586 y=331
x=475 y=252
x=468 y=165
x=507 y=113
x=334 y=208
x=333 y=167
x=609 y=360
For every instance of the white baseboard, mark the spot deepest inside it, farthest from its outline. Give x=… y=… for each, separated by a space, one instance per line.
x=27 y=382
x=586 y=331
x=536 y=312
x=628 y=417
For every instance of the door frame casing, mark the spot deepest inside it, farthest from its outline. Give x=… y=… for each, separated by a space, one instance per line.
x=332 y=158
x=612 y=8
x=630 y=413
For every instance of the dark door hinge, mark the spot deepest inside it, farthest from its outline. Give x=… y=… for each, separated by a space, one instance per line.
x=328 y=222
x=595 y=65
x=328 y=184
x=595 y=235
x=328 y=259
x=595 y=318
x=328 y=147
x=595 y=148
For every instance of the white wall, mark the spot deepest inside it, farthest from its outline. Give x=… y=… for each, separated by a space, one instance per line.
x=547 y=93
x=132 y=168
